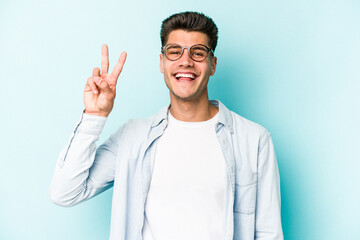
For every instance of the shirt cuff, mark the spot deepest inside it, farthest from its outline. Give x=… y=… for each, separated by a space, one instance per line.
x=91 y=124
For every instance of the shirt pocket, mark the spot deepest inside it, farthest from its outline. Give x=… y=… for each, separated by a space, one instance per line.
x=245 y=192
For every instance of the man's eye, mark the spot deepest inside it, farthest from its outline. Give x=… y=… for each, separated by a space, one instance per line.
x=174 y=52
x=199 y=53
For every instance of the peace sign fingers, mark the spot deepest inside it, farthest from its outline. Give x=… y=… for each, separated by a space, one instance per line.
x=100 y=89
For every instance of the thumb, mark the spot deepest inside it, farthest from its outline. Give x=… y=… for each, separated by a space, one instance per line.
x=104 y=87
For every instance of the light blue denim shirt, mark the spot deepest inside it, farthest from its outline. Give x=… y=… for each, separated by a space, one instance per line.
x=125 y=161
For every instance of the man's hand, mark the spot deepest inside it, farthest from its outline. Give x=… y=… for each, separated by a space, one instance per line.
x=100 y=89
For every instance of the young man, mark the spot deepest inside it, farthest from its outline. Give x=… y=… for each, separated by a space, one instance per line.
x=194 y=170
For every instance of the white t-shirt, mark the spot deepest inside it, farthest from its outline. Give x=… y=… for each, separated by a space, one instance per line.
x=189 y=186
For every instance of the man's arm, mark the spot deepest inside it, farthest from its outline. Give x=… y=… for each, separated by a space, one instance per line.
x=268 y=203
x=82 y=171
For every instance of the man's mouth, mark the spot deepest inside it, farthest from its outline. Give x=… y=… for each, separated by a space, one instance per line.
x=185 y=76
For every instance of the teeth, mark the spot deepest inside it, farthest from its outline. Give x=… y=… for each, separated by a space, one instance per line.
x=185 y=75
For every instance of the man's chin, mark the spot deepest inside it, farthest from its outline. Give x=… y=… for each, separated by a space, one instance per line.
x=183 y=97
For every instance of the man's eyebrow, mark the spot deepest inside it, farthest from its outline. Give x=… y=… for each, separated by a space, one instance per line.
x=198 y=47
x=174 y=46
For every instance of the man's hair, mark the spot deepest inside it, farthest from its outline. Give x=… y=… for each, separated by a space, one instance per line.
x=190 y=21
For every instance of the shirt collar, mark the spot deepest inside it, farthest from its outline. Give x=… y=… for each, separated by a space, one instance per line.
x=161 y=116
x=225 y=117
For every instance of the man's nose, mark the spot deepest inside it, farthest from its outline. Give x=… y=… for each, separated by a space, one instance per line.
x=185 y=60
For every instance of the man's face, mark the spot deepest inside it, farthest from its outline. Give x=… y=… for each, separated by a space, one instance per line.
x=186 y=78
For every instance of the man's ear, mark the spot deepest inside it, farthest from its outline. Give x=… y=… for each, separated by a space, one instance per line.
x=161 y=63
x=213 y=65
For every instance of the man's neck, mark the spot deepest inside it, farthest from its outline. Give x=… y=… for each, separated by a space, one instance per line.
x=193 y=111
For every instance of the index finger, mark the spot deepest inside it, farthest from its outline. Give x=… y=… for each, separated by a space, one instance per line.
x=119 y=65
x=104 y=59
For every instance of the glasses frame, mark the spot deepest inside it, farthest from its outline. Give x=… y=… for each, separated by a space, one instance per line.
x=188 y=48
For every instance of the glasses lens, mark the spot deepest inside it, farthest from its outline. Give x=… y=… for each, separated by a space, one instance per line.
x=173 y=52
x=198 y=52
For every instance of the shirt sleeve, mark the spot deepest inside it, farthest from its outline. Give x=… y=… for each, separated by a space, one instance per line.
x=82 y=170
x=268 y=203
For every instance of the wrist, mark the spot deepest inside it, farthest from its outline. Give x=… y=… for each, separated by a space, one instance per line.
x=96 y=113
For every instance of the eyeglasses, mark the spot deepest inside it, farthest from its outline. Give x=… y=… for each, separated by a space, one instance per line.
x=197 y=52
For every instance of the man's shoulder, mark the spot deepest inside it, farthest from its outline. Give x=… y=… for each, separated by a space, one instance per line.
x=243 y=127
x=144 y=125
x=247 y=125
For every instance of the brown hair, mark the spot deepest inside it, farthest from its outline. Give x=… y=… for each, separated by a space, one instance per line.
x=190 y=21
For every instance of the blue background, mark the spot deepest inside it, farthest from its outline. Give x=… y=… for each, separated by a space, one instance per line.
x=291 y=66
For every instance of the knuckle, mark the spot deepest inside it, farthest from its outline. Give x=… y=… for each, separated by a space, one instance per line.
x=103 y=85
x=92 y=81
